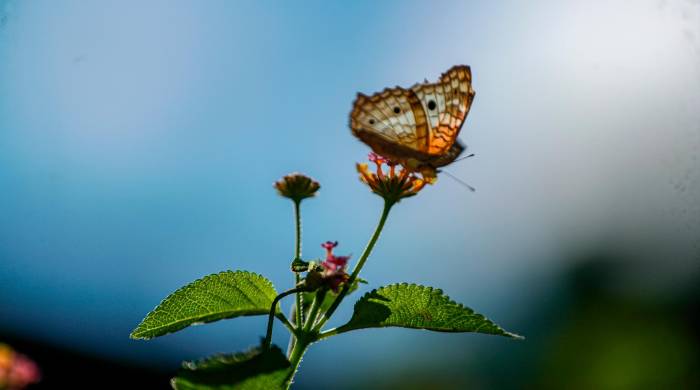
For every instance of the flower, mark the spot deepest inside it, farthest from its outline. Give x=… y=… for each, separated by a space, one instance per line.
x=393 y=185
x=332 y=272
x=297 y=186
x=16 y=370
x=328 y=246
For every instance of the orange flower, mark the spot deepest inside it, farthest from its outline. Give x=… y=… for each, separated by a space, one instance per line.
x=393 y=185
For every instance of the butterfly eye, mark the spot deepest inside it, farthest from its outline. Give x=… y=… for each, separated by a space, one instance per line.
x=371 y=121
x=431 y=105
x=397 y=110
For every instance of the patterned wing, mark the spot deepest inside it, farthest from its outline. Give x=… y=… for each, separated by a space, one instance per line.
x=446 y=105
x=392 y=123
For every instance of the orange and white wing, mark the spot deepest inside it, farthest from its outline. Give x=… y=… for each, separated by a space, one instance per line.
x=446 y=105
x=391 y=122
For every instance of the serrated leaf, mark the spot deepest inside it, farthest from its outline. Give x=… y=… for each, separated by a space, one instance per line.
x=419 y=307
x=227 y=294
x=256 y=369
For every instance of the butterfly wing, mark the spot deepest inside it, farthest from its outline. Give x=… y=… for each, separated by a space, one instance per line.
x=446 y=105
x=392 y=123
x=420 y=123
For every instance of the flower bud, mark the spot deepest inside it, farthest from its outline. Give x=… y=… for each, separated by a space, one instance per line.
x=299 y=265
x=297 y=187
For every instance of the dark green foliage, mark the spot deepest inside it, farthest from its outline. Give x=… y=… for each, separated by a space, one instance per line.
x=419 y=307
x=224 y=295
x=257 y=369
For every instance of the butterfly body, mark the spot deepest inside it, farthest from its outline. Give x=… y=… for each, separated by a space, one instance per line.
x=418 y=126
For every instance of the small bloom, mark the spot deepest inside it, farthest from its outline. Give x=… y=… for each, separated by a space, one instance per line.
x=328 y=246
x=297 y=186
x=334 y=267
x=377 y=159
x=393 y=185
x=336 y=262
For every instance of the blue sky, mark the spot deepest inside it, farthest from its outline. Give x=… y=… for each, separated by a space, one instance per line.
x=139 y=142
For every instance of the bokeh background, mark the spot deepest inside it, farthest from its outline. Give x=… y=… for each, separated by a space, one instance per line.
x=139 y=142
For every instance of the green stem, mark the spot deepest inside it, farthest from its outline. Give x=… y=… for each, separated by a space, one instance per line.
x=292 y=338
x=295 y=358
x=271 y=317
x=315 y=307
x=285 y=321
x=297 y=256
x=328 y=333
x=358 y=267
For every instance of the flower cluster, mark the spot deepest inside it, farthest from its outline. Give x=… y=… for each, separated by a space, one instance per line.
x=393 y=185
x=16 y=370
x=297 y=187
x=330 y=273
x=334 y=267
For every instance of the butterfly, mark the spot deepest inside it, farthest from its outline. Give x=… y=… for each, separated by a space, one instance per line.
x=416 y=127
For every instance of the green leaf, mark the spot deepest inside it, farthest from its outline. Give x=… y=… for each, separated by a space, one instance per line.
x=227 y=294
x=419 y=307
x=256 y=369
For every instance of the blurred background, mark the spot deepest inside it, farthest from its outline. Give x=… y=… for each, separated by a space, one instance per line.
x=139 y=142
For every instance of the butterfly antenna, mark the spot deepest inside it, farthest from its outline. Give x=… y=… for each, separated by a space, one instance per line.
x=464 y=158
x=460 y=181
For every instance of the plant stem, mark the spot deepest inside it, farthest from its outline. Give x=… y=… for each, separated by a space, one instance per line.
x=297 y=256
x=315 y=307
x=304 y=337
x=295 y=357
x=292 y=338
x=271 y=317
x=285 y=321
x=358 y=267
x=328 y=333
